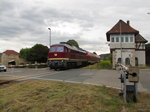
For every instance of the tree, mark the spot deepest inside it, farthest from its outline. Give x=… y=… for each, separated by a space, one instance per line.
x=37 y=53
x=73 y=43
x=24 y=53
x=147 y=47
x=94 y=53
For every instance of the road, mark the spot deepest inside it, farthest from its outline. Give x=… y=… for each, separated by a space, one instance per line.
x=108 y=78
x=145 y=78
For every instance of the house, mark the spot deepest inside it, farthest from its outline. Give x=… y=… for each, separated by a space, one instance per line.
x=127 y=46
x=10 y=57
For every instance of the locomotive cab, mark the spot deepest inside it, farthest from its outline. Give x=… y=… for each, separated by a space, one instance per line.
x=57 y=56
x=66 y=56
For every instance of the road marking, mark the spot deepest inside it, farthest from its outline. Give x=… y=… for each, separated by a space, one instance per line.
x=21 y=78
x=33 y=76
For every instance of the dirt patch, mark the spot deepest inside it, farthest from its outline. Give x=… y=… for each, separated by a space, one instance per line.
x=6 y=83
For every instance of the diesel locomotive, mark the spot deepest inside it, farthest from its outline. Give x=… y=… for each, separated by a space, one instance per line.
x=63 y=56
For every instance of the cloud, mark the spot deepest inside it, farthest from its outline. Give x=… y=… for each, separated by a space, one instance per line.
x=25 y=22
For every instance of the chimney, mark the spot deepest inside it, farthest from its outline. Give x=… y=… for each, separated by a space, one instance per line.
x=128 y=22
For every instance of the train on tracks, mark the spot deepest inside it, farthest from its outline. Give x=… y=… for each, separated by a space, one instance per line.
x=64 y=56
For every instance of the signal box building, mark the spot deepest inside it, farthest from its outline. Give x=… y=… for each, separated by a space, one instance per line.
x=127 y=46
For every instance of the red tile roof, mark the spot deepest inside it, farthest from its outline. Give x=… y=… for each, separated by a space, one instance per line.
x=10 y=52
x=139 y=38
x=123 y=28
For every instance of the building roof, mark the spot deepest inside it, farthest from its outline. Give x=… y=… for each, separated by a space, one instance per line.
x=11 y=52
x=121 y=28
x=139 y=38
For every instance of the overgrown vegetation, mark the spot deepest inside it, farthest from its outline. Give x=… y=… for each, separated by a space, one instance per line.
x=46 y=96
x=147 y=47
x=106 y=64
x=146 y=67
x=103 y=64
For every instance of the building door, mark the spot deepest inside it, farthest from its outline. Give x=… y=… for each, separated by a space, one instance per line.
x=136 y=61
x=12 y=62
x=127 y=61
x=119 y=60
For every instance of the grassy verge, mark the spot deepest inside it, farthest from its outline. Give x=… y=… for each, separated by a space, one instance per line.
x=46 y=96
x=147 y=67
x=101 y=65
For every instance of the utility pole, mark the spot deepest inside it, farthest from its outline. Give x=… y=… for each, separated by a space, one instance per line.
x=49 y=37
x=121 y=43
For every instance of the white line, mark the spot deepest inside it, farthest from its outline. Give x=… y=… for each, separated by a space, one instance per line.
x=33 y=76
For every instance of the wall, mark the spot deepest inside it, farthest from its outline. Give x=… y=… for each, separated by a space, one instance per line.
x=6 y=58
x=126 y=53
x=128 y=49
x=122 y=45
x=141 y=57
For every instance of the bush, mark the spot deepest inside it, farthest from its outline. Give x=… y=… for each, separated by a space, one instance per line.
x=104 y=64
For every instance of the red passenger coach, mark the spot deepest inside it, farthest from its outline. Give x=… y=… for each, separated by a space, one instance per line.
x=66 y=56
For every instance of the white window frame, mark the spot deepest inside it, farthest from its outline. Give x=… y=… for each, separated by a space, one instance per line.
x=113 y=38
x=117 y=39
x=127 y=39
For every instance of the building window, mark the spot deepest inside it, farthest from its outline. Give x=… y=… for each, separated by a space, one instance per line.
x=117 y=39
x=122 y=39
x=136 y=61
x=112 y=39
x=127 y=61
x=126 y=39
x=119 y=60
x=131 y=39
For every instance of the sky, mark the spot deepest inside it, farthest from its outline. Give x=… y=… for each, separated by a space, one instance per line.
x=24 y=23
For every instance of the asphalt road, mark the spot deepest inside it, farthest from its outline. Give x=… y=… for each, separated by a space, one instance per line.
x=96 y=77
x=145 y=78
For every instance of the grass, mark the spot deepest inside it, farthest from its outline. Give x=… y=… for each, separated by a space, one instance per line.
x=46 y=96
x=146 y=67
x=105 y=64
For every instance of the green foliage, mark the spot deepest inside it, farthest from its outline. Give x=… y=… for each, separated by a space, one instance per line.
x=105 y=64
x=147 y=46
x=37 y=53
x=94 y=53
x=24 y=53
x=109 y=57
x=73 y=43
x=147 y=53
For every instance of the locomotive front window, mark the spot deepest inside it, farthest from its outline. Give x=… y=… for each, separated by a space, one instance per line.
x=52 y=49
x=60 y=49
